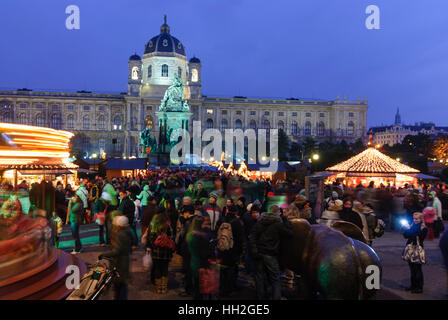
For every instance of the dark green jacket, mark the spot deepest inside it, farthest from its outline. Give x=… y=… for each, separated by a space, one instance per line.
x=76 y=212
x=121 y=251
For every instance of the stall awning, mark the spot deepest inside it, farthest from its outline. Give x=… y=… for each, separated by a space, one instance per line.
x=422 y=176
x=126 y=164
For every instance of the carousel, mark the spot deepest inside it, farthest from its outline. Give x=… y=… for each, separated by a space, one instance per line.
x=372 y=165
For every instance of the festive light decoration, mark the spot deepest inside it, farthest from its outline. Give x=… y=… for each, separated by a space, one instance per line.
x=372 y=161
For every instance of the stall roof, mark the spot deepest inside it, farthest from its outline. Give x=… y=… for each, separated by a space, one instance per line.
x=422 y=176
x=126 y=164
x=281 y=167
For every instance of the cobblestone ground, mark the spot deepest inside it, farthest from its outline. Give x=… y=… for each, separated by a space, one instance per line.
x=395 y=278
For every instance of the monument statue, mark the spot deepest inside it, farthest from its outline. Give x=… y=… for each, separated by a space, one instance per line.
x=149 y=143
x=173 y=99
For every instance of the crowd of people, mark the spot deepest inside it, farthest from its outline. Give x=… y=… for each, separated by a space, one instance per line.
x=216 y=222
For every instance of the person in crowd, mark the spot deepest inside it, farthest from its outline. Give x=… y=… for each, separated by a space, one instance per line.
x=300 y=208
x=161 y=245
x=347 y=214
x=83 y=194
x=415 y=234
x=144 y=197
x=241 y=205
x=150 y=210
x=120 y=255
x=185 y=220
x=94 y=195
x=201 y=193
x=330 y=200
x=198 y=239
x=250 y=219
x=190 y=192
x=358 y=207
x=438 y=218
x=264 y=246
x=213 y=211
x=198 y=208
x=75 y=217
x=100 y=207
x=56 y=226
x=230 y=236
x=60 y=205
x=429 y=213
x=127 y=207
x=331 y=214
x=226 y=209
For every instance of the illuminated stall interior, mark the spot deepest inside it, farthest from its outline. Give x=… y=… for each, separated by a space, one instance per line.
x=34 y=154
x=372 y=165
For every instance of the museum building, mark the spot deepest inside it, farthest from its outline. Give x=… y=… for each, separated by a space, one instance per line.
x=112 y=122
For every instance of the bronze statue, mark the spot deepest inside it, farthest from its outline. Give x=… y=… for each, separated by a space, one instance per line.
x=149 y=143
x=329 y=262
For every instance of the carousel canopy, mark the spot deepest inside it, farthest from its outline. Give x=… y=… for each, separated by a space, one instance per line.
x=372 y=161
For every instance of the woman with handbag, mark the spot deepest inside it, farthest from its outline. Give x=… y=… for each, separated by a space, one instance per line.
x=414 y=253
x=99 y=210
x=161 y=245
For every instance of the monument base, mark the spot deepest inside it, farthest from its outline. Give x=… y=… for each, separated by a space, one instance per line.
x=159 y=159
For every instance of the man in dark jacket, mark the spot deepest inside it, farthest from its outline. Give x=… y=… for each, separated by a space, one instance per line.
x=127 y=207
x=264 y=246
x=119 y=255
x=230 y=258
x=149 y=212
x=182 y=247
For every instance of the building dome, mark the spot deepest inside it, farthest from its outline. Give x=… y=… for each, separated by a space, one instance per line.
x=195 y=60
x=165 y=42
x=135 y=57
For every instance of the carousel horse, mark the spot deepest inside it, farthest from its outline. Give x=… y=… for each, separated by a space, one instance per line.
x=330 y=263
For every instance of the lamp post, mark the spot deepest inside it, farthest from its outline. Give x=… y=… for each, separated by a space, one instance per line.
x=94 y=156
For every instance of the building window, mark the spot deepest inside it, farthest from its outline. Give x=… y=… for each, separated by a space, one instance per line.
x=102 y=108
x=194 y=75
x=134 y=73
x=85 y=144
x=70 y=122
x=71 y=107
x=209 y=111
x=117 y=145
x=56 y=121
x=266 y=113
x=308 y=128
x=86 y=123
x=117 y=123
x=253 y=113
x=238 y=124
x=351 y=128
x=40 y=122
x=86 y=108
x=320 y=129
x=39 y=106
x=149 y=108
x=224 y=124
x=101 y=123
x=253 y=124
x=149 y=71
x=308 y=114
x=294 y=114
x=238 y=112
x=281 y=125
x=102 y=144
x=321 y=115
x=209 y=124
x=351 y=115
x=281 y=114
x=179 y=72
x=55 y=107
x=224 y=112
x=22 y=118
x=294 y=131
x=164 y=70
x=266 y=124
x=23 y=106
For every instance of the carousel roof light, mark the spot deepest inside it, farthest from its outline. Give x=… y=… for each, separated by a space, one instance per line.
x=372 y=161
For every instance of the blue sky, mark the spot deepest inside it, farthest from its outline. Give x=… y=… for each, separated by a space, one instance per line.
x=274 y=49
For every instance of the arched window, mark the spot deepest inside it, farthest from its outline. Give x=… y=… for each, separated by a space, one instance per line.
x=253 y=124
x=134 y=123
x=86 y=123
x=101 y=123
x=209 y=124
x=308 y=128
x=117 y=123
x=56 y=121
x=266 y=125
x=224 y=124
x=164 y=70
x=22 y=118
x=70 y=121
x=294 y=130
x=134 y=73
x=238 y=124
x=351 y=128
x=85 y=144
x=149 y=71
x=40 y=121
x=102 y=144
x=281 y=125
x=194 y=75
x=321 y=129
x=179 y=72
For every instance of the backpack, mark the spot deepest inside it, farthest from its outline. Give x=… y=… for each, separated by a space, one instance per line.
x=225 y=237
x=380 y=227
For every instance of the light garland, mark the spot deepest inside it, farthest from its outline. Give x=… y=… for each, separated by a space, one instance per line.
x=372 y=161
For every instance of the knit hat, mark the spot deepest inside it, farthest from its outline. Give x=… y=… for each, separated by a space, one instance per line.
x=120 y=221
x=214 y=195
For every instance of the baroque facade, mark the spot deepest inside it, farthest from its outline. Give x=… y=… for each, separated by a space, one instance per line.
x=112 y=122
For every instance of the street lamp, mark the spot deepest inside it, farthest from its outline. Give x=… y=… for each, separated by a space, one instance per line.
x=315 y=156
